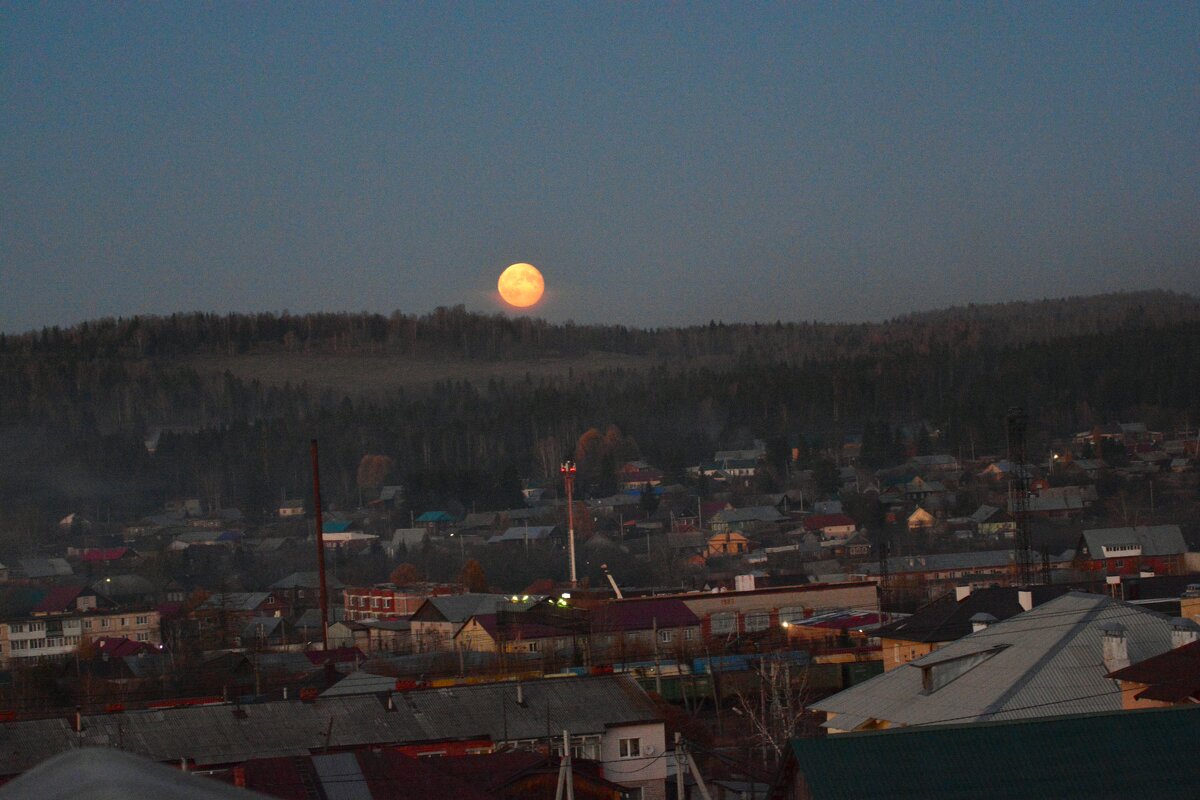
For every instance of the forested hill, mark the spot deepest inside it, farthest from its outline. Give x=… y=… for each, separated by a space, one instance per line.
x=457 y=333
x=77 y=405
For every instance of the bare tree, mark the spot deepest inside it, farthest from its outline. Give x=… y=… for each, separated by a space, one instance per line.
x=777 y=714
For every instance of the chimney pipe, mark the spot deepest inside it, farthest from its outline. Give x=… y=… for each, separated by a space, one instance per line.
x=1183 y=632
x=520 y=695
x=78 y=719
x=1025 y=599
x=1115 y=647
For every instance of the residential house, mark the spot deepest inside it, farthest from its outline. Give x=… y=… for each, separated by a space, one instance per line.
x=608 y=719
x=948 y=619
x=1049 y=661
x=489 y=633
x=388 y=601
x=831 y=526
x=1130 y=551
x=291 y=509
x=639 y=628
x=725 y=614
x=749 y=519
x=730 y=543
x=44 y=568
x=992 y=521
x=920 y=519
x=940 y=462
x=1168 y=679
x=405 y=540
x=437 y=621
x=58 y=635
x=303 y=589
x=436 y=522
x=527 y=535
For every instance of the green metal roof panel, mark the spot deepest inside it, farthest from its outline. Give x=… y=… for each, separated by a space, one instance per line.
x=1116 y=755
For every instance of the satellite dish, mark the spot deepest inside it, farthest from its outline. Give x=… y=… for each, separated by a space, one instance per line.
x=649 y=749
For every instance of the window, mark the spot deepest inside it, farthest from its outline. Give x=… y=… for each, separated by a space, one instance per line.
x=758 y=621
x=665 y=635
x=123 y=622
x=37 y=626
x=629 y=748
x=790 y=614
x=689 y=634
x=723 y=623
x=16 y=628
x=104 y=623
x=143 y=620
x=533 y=647
x=143 y=637
x=87 y=624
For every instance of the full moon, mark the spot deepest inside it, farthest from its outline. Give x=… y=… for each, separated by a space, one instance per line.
x=521 y=285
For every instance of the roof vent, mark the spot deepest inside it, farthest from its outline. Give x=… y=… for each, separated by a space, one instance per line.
x=981 y=620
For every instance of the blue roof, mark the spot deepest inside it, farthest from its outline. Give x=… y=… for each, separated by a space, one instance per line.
x=435 y=516
x=336 y=526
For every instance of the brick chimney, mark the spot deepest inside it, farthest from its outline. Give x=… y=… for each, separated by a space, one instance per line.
x=1116 y=647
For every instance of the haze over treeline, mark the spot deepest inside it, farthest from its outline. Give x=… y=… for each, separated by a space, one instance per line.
x=77 y=404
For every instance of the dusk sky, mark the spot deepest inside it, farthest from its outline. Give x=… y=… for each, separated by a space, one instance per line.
x=661 y=164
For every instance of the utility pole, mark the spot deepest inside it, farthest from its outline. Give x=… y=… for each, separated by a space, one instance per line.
x=316 y=470
x=679 y=756
x=567 y=470
x=1016 y=424
x=565 y=776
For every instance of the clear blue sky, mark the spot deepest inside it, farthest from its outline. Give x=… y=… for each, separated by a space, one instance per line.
x=662 y=164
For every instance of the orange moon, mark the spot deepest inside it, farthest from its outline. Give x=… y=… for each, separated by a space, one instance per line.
x=521 y=285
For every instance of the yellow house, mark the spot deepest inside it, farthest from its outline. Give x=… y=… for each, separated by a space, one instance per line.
x=920 y=519
x=731 y=543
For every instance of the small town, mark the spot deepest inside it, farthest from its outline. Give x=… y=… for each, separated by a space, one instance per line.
x=599 y=401
x=760 y=628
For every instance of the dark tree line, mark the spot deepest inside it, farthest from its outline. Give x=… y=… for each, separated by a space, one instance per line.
x=76 y=409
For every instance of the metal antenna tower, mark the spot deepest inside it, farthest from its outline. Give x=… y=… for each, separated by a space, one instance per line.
x=1017 y=422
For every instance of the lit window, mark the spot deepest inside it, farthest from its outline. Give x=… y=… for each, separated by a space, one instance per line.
x=630 y=748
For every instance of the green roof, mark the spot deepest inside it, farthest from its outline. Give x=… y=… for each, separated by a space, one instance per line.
x=1121 y=754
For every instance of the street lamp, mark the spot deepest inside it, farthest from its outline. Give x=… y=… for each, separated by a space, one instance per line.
x=567 y=470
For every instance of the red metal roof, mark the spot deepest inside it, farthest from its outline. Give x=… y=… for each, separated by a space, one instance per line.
x=120 y=646
x=821 y=521
x=641 y=615
x=60 y=598
x=104 y=554
x=1171 y=676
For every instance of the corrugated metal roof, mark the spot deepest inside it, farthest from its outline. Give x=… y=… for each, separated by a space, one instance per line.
x=1052 y=664
x=225 y=734
x=1155 y=540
